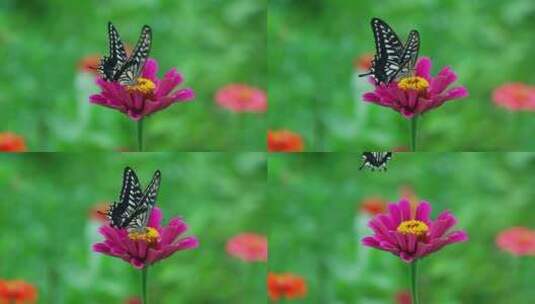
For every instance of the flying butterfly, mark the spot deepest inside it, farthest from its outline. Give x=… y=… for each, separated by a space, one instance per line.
x=392 y=59
x=118 y=66
x=133 y=209
x=375 y=160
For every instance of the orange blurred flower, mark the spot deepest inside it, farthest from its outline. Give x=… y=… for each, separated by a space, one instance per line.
x=89 y=64
x=17 y=291
x=241 y=98
x=515 y=97
x=98 y=212
x=11 y=142
x=363 y=62
x=519 y=241
x=248 y=247
x=373 y=205
x=284 y=141
x=286 y=285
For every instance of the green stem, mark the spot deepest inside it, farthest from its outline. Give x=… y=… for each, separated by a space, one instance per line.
x=140 y=135
x=144 y=274
x=414 y=126
x=414 y=282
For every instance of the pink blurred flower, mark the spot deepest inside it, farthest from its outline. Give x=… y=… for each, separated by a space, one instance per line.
x=241 y=98
x=517 y=241
x=149 y=95
x=144 y=249
x=412 y=236
x=416 y=95
x=515 y=97
x=248 y=247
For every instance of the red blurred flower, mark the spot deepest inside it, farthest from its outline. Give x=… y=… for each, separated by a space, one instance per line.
x=286 y=285
x=515 y=97
x=284 y=141
x=11 y=142
x=517 y=241
x=133 y=300
x=17 y=291
x=89 y=64
x=248 y=247
x=98 y=212
x=373 y=205
x=363 y=62
x=241 y=98
x=403 y=297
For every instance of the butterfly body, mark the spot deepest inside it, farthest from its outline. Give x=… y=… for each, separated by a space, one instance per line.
x=392 y=59
x=118 y=66
x=375 y=160
x=133 y=209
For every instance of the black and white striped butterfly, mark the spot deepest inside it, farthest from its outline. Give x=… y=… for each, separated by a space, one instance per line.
x=134 y=207
x=392 y=59
x=118 y=66
x=375 y=160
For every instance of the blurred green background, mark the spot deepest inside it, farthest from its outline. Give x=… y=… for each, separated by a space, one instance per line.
x=314 y=90
x=47 y=235
x=44 y=97
x=316 y=225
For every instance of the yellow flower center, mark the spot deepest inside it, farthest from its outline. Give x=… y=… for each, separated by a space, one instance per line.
x=413 y=83
x=143 y=85
x=415 y=227
x=149 y=235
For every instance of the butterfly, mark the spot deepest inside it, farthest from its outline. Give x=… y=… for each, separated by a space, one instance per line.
x=133 y=209
x=392 y=59
x=375 y=160
x=118 y=66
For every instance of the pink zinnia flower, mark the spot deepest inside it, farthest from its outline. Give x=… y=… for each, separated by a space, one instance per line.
x=241 y=98
x=412 y=236
x=515 y=97
x=149 y=247
x=418 y=94
x=248 y=247
x=403 y=297
x=517 y=241
x=147 y=96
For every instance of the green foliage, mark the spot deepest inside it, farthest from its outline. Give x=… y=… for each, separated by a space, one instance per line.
x=314 y=90
x=47 y=234
x=213 y=43
x=316 y=225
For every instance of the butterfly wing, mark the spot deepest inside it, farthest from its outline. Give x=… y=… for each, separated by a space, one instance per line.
x=410 y=53
x=110 y=65
x=392 y=58
x=140 y=217
x=131 y=70
x=375 y=160
x=129 y=196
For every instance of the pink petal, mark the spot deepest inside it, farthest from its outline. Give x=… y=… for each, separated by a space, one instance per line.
x=183 y=95
x=423 y=68
x=444 y=78
x=405 y=207
x=150 y=69
x=169 y=81
x=370 y=97
x=456 y=93
x=155 y=218
x=423 y=211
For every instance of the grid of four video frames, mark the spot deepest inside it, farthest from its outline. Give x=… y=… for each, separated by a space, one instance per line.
x=142 y=164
